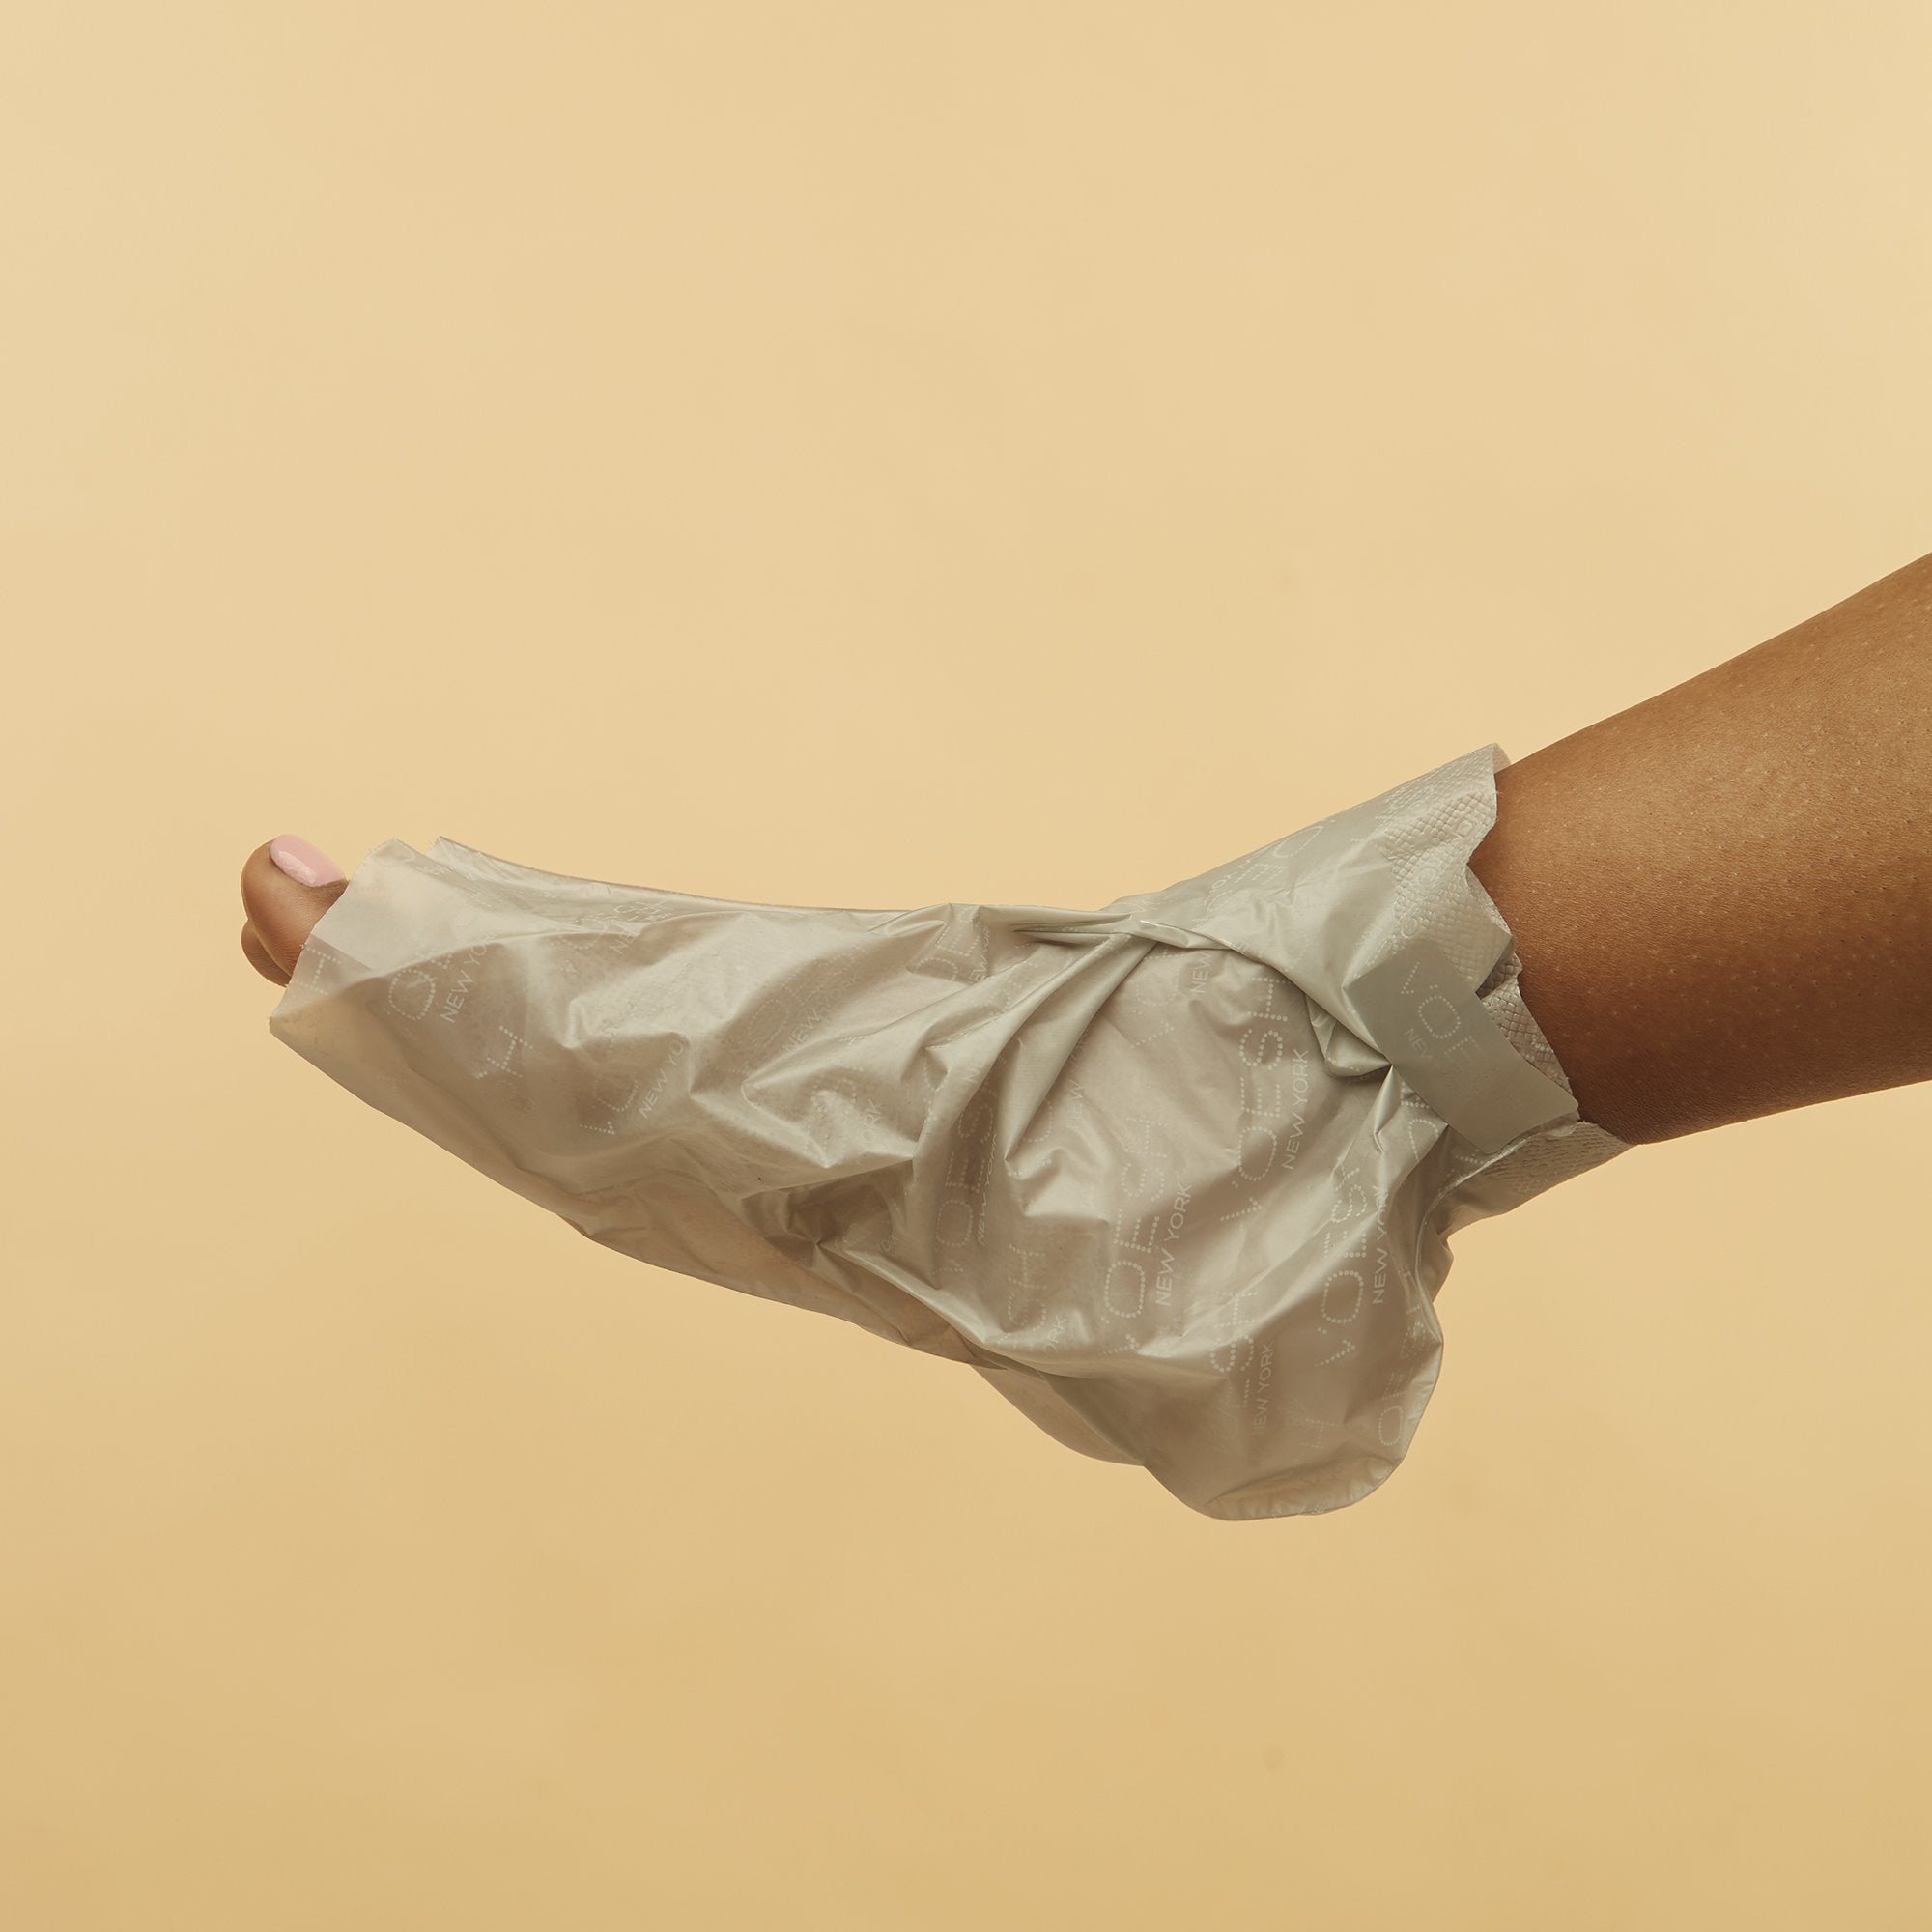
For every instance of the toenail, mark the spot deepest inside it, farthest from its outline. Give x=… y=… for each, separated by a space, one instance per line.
x=300 y=861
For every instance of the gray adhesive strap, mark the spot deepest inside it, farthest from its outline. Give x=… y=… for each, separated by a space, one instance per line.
x=1435 y=1034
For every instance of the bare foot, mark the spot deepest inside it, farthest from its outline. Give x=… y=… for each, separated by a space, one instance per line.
x=287 y=885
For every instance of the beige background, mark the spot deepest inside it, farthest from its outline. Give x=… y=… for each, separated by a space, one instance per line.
x=876 y=454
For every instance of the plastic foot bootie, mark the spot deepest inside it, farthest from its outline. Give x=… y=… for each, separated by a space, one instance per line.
x=1175 y=1177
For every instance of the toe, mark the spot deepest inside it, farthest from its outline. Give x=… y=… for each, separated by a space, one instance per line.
x=282 y=909
x=260 y=958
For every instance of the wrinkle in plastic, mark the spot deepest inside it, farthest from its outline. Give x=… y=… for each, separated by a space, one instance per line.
x=1175 y=1176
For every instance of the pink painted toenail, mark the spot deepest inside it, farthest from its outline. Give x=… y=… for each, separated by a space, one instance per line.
x=300 y=861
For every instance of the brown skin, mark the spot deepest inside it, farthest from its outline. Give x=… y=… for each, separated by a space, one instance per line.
x=282 y=915
x=1721 y=897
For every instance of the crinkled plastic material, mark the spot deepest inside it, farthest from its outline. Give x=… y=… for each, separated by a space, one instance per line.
x=1175 y=1176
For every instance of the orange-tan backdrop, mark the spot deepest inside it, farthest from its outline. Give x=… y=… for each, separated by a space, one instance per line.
x=877 y=454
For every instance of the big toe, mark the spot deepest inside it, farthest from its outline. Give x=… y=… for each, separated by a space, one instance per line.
x=287 y=885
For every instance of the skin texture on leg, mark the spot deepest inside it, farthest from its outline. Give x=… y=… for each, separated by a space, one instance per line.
x=1723 y=897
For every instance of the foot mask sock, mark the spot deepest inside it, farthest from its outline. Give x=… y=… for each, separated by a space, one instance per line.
x=1175 y=1177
